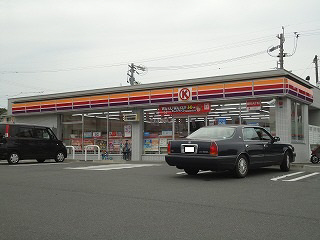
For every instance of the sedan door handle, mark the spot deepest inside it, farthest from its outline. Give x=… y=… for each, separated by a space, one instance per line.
x=247 y=145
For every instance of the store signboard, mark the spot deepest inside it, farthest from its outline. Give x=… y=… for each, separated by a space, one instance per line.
x=253 y=104
x=87 y=134
x=185 y=94
x=185 y=109
x=222 y=121
x=96 y=134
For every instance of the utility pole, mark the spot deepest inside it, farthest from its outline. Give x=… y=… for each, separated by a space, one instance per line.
x=132 y=70
x=281 y=54
x=130 y=73
x=315 y=61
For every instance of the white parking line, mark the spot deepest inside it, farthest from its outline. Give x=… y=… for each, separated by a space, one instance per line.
x=284 y=176
x=37 y=164
x=183 y=173
x=112 y=167
x=299 y=178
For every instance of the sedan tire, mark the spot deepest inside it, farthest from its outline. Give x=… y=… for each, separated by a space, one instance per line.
x=13 y=158
x=314 y=159
x=59 y=157
x=242 y=167
x=191 y=171
x=286 y=162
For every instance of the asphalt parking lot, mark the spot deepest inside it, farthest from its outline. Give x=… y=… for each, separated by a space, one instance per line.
x=135 y=200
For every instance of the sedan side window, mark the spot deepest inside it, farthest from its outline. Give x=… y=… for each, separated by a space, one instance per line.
x=263 y=134
x=250 y=134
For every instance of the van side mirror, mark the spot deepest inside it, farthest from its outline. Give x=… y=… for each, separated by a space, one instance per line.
x=276 y=139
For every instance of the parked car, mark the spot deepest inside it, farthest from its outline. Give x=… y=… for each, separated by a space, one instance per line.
x=229 y=147
x=21 y=141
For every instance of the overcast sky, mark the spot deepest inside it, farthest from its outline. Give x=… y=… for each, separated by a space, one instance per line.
x=51 y=46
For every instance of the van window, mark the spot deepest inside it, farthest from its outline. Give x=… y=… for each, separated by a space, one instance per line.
x=2 y=130
x=41 y=133
x=24 y=132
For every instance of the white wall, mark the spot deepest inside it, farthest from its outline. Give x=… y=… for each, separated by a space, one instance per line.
x=50 y=120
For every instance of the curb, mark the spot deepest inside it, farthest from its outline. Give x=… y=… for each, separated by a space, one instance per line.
x=306 y=167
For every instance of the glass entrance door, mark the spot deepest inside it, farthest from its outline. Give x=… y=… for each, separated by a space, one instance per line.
x=184 y=126
x=196 y=122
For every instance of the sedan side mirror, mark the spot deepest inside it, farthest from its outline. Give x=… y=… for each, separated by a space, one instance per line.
x=276 y=139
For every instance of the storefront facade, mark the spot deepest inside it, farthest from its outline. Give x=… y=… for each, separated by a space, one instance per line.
x=147 y=116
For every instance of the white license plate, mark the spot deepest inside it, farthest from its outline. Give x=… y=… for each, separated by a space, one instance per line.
x=189 y=149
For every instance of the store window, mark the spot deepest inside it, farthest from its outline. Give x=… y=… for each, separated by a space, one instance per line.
x=297 y=131
x=238 y=113
x=157 y=132
x=72 y=130
x=108 y=130
x=120 y=132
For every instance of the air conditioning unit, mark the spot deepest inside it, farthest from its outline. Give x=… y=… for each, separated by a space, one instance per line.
x=131 y=117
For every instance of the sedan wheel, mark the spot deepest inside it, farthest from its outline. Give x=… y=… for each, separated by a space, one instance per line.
x=191 y=171
x=13 y=158
x=59 y=157
x=286 y=162
x=314 y=159
x=241 y=168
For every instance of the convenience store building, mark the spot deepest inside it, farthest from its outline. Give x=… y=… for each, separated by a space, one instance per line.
x=147 y=116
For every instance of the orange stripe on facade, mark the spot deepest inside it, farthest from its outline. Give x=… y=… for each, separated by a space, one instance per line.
x=48 y=102
x=16 y=105
x=101 y=97
x=121 y=95
x=268 y=82
x=238 y=84
x=210 y=87
x=82 y=99
x=68 y=100
x=32 y=104
x=165 y=91
x=139 y=94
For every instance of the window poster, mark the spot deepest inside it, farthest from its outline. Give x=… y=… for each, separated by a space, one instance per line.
x=127 y=130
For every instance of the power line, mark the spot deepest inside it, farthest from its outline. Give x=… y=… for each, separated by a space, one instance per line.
x=201 y=51
x=207 y=63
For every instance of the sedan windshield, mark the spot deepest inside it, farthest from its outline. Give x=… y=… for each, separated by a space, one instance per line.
x=212 y=133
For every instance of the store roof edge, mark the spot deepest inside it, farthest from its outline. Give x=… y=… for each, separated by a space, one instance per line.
x=168 y=84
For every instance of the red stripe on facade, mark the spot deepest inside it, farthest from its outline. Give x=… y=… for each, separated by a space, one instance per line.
x=48 y=106
x=139 y=98
x=239 y=89
x=81 y=103
x=32 y=107
x=216 y=91
x=99 y=101
x=18 y=108
x=169 y=95
x=119 y=100
x=64 y=104
x=293 y=88
x=264 y=87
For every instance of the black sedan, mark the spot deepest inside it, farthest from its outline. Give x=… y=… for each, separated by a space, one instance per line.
x=227 y=147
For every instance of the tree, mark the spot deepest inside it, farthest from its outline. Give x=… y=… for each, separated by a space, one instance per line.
x=3 y=111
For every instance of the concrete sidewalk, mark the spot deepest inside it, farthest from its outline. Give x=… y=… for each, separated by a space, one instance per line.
x=306 y=167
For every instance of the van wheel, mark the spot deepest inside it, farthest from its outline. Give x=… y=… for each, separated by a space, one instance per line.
x=59 y=157
x=40 y=160
x=13 y=158
x=242 y=167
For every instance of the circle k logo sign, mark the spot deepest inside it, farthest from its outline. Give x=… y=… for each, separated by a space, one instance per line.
x=185 y=94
